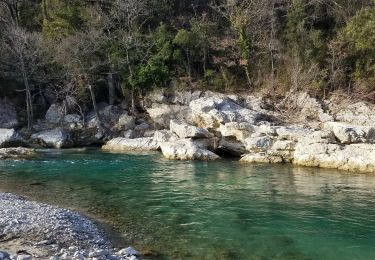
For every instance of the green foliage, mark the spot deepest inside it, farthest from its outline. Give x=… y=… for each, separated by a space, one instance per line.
x=359 y=37
x=157 y=70
x=61 y=18
x=222 y=45
x=301 y=36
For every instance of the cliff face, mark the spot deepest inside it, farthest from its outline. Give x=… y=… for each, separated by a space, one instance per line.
x=205 y=125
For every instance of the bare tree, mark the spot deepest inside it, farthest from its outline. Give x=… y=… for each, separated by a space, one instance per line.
x=19 y=50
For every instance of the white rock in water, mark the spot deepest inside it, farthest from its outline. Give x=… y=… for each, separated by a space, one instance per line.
x=186 y=151
x=138 y=144
x=355 y=157
x=261 y=158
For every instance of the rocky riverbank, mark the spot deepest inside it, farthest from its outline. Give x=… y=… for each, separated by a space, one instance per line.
x=30 y=230
x=200 y=125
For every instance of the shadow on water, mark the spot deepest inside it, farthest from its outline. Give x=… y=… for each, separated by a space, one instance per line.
x=206 y=210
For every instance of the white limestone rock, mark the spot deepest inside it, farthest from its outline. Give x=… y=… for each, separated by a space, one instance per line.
x=137 y=144
x=183 y=130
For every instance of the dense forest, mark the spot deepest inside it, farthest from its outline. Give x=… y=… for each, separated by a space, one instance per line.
x=77 y=50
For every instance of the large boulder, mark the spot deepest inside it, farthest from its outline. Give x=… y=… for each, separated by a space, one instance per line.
x=8 y=137
x=284 y=149
x=183 y=130
x=349 y=134
x=124 y=144
x=214 y=111
x=358 y=113
x=55 y=138
x=8 y=115
x=17 y=153
x=240 y=131
x=258 y=144
x=293 y=133
x=162 y=114
x=165 y=136
x=56 y=113
x=183 y=150
x=355 y=157
x=126 y=122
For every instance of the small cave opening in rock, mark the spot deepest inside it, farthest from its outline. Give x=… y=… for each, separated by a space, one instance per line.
x=225 y=153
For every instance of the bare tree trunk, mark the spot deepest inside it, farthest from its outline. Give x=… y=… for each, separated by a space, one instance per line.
x=29 y=104
x=93 y=100
x=188 y=64
x=248 y=76
x=134 y=110
x=111 y=89
x=270 y=46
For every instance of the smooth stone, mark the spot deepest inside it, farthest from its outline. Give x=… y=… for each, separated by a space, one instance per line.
x=128 y=251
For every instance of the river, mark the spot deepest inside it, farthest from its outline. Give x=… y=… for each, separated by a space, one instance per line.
x=207 y=210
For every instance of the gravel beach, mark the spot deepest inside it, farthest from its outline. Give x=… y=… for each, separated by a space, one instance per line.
x=31 y=230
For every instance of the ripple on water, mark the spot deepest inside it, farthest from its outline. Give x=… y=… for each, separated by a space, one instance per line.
x=216 y=210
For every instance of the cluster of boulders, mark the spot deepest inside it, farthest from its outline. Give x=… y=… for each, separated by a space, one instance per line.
x=40 y=231
x=207 y=126
x=62 y=128
x=196 y=125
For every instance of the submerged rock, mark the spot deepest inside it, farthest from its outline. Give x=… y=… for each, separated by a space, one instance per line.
x=16 y=153
x=138 y=144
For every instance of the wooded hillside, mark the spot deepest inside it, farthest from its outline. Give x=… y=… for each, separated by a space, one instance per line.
x=55 y=50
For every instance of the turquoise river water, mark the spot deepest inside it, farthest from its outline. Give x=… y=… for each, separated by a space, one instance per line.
x=207 y=210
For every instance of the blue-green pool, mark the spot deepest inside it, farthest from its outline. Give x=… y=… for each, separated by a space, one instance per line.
x=208 y=210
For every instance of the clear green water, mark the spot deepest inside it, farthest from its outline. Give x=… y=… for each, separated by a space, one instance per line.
x=214 y=210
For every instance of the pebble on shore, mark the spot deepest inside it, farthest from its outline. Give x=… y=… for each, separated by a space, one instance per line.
x=41 y=231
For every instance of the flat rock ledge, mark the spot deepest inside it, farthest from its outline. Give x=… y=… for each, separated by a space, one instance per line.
x=30 y=230
x=17 y=153
x=124 y=144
